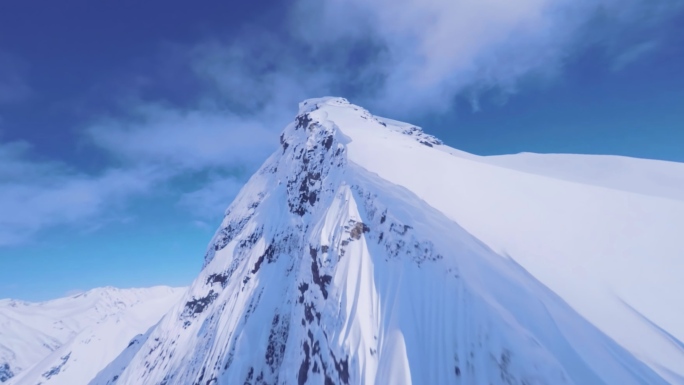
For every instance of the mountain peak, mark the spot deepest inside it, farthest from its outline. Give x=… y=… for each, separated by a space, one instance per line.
x=343 y=114
x=366 y=251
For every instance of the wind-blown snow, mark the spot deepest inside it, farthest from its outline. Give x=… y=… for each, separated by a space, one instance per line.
x=366 y=251
x=69 y=340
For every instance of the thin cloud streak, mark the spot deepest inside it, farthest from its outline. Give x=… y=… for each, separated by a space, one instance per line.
x=634 y=53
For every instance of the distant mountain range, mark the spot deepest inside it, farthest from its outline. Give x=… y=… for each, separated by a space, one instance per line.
x=69 y=340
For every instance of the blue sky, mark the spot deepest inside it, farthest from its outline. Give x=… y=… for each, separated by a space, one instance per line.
x=127 y=127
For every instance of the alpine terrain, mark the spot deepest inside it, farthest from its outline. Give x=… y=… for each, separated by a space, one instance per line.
x=365 y=251
x=68 y=341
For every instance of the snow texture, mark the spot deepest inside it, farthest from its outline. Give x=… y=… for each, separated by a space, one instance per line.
x=364 y=251
x=69 y=340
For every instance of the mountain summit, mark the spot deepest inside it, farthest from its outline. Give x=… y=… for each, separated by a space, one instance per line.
x=365 y=251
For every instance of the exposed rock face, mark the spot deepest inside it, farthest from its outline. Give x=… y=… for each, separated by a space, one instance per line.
x=5 y=372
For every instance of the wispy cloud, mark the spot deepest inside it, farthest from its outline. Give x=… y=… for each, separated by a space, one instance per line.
x=183 y=140
x=35 y=194
x=248 y=92
x=436 y=50
x=634 y=53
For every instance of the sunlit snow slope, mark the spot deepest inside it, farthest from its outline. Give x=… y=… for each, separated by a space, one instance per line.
x=69 y=340
x=366 y=252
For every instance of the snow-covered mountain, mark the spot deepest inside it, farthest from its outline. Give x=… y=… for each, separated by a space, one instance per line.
x=366 y=252
x=69 y=340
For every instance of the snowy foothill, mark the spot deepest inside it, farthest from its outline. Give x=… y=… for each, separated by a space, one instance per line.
x=69 y=340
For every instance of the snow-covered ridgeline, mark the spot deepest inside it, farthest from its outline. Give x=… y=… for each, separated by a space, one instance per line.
x=365 y=251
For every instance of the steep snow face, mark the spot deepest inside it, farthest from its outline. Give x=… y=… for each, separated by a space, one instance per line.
x=602 y=232
x=361 y=253
x=69 y=340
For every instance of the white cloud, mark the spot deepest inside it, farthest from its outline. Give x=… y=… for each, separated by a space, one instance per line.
x=35 y=195
x=438 y=49
x=183 y=140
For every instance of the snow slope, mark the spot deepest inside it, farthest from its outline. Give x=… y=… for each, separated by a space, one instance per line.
x=365 y=251
x=69 y=340
x=565 y=222
x=642 y=176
